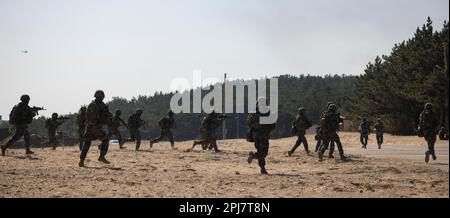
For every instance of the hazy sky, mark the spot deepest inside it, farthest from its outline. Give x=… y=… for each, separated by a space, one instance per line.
x=132 y=47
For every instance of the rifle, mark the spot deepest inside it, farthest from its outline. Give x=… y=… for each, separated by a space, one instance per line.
x=222 y=116
x=63 y=118
x=37 y=109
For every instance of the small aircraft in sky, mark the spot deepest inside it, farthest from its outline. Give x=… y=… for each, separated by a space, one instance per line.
x=25 y=51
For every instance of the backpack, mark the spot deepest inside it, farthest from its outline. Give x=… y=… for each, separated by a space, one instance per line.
x=13 y=116
x=163 y=123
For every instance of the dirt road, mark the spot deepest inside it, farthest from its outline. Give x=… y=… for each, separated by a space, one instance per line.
x=162 y=172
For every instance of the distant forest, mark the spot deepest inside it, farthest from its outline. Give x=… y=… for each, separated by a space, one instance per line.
x=394 y=87
x=311 y=92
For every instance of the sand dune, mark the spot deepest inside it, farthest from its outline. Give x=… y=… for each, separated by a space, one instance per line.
x=162 y=172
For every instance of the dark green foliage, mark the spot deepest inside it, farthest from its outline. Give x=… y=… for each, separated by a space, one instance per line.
x=397 y=86
x=311 y=92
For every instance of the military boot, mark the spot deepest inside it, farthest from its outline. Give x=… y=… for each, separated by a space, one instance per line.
x=343 y=157
x=103 y=160
x=433 y=155
x=81 y=163
x=251 y=155
x=264 y=171
x=3 y=151
x=330 y=156
x=151 y=144
x=320 y=156
x=427 y=157
x=29 y=151
x=290 y=153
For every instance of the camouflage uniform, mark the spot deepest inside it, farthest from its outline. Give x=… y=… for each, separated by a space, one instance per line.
x=379 y=131
x=299 y=127
x=319 y=137
x=260 y=134
x=428 y=124
x=364 y=130
x=21 y=115
x=52 y=125
x=329 y=126
x=96 y=117
x=166 y=124
x=114 y=124
x=81 y=123
x=209 y=126
x=134 y=123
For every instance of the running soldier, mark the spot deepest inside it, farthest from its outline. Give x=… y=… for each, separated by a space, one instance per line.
x=114 y=125
x=329 y=126
x=364 y=131
x=134 y=123
x=21 y=115
x=378 y=127
x=97 y=116
x=299 y=126
x=259 y=134
x=428 y=125
x=166 y=124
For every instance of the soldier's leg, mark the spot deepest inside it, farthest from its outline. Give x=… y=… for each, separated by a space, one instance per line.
x=339 y=145
x=431 y=140
x=332 y=146
x=170 y=136
x=54 y=141
x=214 y=143
x=263 y=150
x=84 y=151
x=361 y=139
x=366 y=140
x=318 y=145
x=80 y=136
x=253 y=155
x=297 y=143
x=160 y=137
x=103 y=151
x=26 y=140
x=305 y=143
x=121 y=140
x=323 y=147
x=138 y=140
x=18 y=133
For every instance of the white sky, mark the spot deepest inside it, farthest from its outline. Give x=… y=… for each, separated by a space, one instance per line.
x=135 y=47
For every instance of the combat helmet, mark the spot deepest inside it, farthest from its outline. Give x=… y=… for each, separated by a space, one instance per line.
x=99 y=94
x=25 y=98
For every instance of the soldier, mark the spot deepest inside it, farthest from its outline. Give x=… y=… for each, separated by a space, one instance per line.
x=210 y=123
x=166 y=124
x=428 y=125
x=134 y=123
x=260 y=134
x=52 y=125
x=319 y=137
x=21 y=115
x=364 y=131
x=81 y=123
x=379 y=131
x=299 y=127
x=114 y=125
x=329 y=125
x=97 y=114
